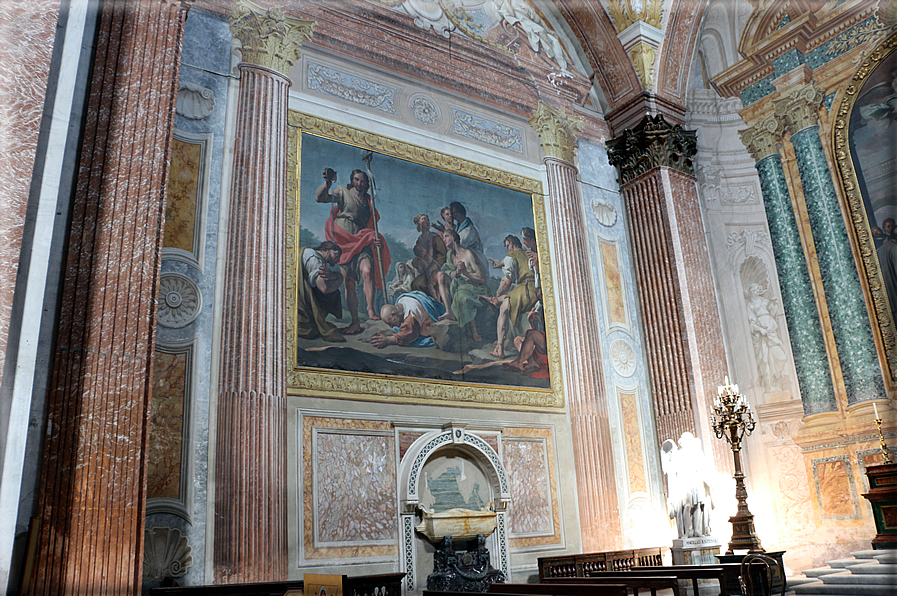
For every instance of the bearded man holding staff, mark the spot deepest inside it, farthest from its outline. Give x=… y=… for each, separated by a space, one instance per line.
x=352 y=225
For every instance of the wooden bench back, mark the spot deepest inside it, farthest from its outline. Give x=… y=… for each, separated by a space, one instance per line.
x=615 y=589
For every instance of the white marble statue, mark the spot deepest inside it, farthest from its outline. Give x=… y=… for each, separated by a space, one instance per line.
x=688 y=494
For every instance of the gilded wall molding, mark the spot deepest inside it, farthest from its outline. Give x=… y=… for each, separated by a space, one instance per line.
x=643 y=56
x=557 y=131
x=625 y=13
x=269 y=37
x=654 y=143
x=860 y=229
x=800 y=108
x=763 y=138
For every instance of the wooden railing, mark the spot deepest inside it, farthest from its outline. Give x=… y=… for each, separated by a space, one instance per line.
x=586 y=564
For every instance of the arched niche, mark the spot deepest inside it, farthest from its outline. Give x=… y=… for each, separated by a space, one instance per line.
x=453 y=439
x=867 y=172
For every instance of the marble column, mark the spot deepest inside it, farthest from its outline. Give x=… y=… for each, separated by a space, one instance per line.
x=844 y=296
x=804 y=328
x=683 y=333
x=250 y=543
x=92 y=502
x=598 y=508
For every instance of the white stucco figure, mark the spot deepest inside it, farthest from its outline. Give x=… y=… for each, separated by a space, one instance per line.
x=768 y=348
x=688 y=494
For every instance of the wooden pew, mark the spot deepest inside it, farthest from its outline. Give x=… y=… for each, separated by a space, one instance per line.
x=684 y=572
x=636 y=582
x=609 y=589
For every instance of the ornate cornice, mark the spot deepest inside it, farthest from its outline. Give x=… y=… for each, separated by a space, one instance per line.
x=557 y=131
x=800 y=108
x=654 y=143
x=269 y=38
x=762 y=139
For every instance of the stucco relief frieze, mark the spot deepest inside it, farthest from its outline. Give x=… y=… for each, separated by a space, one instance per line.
x=424 y=110
x=487 y=131
x=269 y=37
x=653 y=143
x=747 y=241
x=350 y=87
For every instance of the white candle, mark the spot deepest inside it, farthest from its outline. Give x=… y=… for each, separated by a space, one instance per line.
x=874 y=407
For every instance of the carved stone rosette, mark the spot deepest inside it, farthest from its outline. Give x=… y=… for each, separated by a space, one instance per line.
x=654 y=143
x=269 y=38
x=557 y=132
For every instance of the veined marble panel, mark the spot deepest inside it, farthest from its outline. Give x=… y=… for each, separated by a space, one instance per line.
x=188 y=188
x=616 y=300
x=349 y=488
x=835 y=489
x=635 y=457
x=166 y=424
x=533 y=515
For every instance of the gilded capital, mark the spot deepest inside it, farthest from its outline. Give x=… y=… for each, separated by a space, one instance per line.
x=557 y=131
x=762 y=139
x=642 y=57
x=653 y=143
x=268 y=36
x=799 y=109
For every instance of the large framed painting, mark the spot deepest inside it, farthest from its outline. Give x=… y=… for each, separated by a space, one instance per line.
x=864 y=136
x=415 y=275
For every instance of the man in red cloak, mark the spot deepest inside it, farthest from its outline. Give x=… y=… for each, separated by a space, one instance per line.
x=351 y=226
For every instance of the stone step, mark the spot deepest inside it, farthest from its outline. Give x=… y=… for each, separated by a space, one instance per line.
x=874 y=568
x=821 y=589
x=889 y=557
x=846 y=577
x=874 y=554
x=798 y=580
x=820 y=571
x=843 y=563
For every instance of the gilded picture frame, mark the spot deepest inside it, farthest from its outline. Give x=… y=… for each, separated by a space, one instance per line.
x=343 y=384
x=845 y=125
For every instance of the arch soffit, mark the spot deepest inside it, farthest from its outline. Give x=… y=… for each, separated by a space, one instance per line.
x=677 y=51
x=455 y=437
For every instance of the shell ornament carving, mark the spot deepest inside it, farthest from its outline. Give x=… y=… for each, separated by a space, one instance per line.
x=604 y=212
x=179 y=300
x=623 y=358
x=195 y=102
x=166 y=553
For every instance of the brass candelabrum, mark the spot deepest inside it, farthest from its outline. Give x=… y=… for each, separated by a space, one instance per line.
x=881 y=437
x=732 y=420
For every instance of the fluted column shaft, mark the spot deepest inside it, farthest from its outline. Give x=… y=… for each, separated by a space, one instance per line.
x=840 y=281
x=250 y=475
x=683 y=333
x=801 y=316
x=598 y=509
x=93 y=482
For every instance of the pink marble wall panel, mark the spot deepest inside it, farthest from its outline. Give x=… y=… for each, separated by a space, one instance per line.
x=93 y=479
x=355 y=488
x=598 y=508
x=527 y=468
x=834 y=488
x=28 y=26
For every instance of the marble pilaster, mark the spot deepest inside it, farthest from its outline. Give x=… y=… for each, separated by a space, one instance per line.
x=843 y=292
x=250 y=499
x=801 y=315
x=598 y=509
x=92 y=503
x=683 y=332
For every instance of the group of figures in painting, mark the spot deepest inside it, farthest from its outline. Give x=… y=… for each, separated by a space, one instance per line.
x=449 y=307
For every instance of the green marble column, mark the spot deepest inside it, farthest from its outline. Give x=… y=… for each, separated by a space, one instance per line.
x=843 y=292
x=804 y=329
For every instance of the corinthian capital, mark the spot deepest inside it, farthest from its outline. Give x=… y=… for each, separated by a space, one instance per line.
x=557 y=131
x=653 y=143
x=762 y=139
x=800 y=108
x=269 y=37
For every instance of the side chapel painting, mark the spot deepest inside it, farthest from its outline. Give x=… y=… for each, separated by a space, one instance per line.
x=873 y=128
x=407 y=270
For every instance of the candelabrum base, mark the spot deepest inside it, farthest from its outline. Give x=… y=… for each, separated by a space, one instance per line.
x=744 y=537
